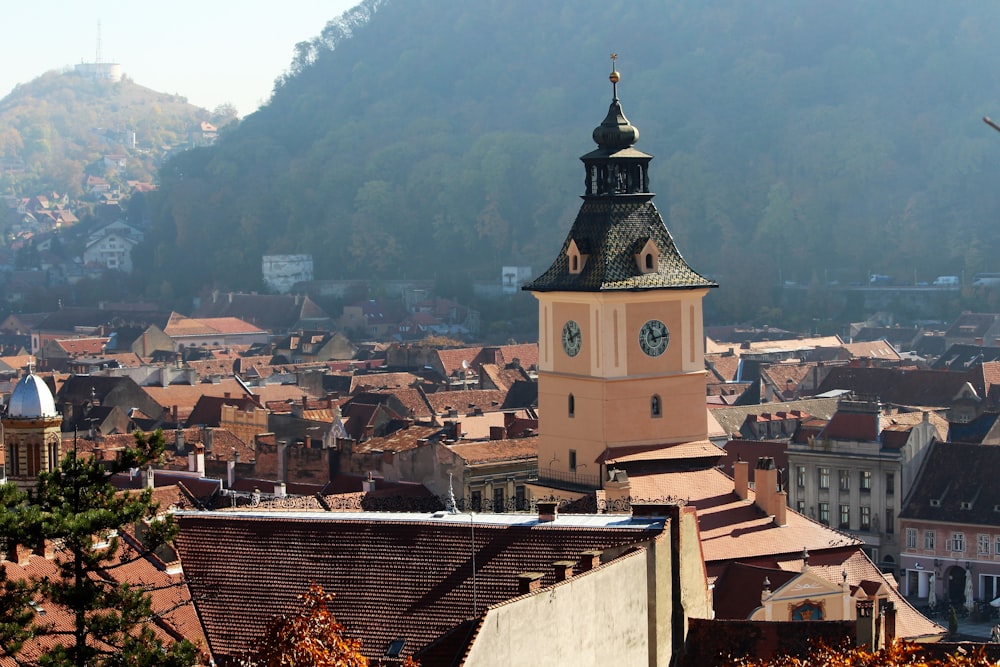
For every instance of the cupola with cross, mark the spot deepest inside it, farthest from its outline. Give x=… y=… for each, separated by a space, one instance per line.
x=621 y=349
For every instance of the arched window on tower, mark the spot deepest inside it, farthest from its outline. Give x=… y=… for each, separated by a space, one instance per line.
x=571 y=405
x=655 y=406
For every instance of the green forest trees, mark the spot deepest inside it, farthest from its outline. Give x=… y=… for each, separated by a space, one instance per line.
x=77 y=509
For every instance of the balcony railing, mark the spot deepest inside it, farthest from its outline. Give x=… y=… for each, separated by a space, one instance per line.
x=571 y=481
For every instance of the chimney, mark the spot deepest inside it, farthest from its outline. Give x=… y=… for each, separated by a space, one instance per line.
x=225 y=394
x=368 y=484
x=741 y=478
x=282 y=447
x=865 y=633
x=497 y=433
x=529 y=582
x=766 y=483
x=206 y=438
x=780 y=508
x=547 y=510
x=618 y=492
x=590 y=559
x=230 y=473
x=149 y=480
x=174 y=414
x=196 y=460
x=889 y=614
x=179 y=445
x=564 y=569
x=279 y=490
x=44 y=548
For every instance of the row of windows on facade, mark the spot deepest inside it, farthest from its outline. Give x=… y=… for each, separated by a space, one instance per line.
x=955 y=543
x=864 y=479
x=865 y=521
x=655 y=406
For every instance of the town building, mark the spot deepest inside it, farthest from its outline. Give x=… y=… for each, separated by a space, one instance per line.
x=856 y=472
x=950 y=527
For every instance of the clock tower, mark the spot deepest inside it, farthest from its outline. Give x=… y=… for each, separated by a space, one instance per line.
x=621 y=345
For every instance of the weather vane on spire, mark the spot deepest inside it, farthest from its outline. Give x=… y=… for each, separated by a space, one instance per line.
x=614 y=77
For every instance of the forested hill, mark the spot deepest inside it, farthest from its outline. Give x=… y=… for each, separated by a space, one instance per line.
x=56 y=130
x=439 y=138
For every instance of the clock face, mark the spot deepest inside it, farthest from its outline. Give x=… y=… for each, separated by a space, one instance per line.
x=653 y=338
x=571 y=338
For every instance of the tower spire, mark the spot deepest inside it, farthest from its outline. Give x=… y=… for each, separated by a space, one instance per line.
x=614 y=77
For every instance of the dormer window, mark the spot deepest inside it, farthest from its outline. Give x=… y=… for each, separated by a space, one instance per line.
x=648 y=258
x=577 y=258
x=966 y=505
x=935 y=502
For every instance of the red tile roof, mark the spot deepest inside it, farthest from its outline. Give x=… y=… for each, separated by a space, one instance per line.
x=393 y=575
x=496 y=451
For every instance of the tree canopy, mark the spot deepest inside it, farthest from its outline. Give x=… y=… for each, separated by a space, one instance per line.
x=415 y=139
x=110 y=619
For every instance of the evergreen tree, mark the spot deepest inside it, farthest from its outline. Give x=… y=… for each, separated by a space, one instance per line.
x=77 y=508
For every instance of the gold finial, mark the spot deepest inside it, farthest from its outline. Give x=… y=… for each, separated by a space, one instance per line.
x=614 y=76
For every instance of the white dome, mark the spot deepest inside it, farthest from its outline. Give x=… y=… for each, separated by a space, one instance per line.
x=31 y=398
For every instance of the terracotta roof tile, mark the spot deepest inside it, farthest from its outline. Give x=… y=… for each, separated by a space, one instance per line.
x=495 y=451
x=406 y=578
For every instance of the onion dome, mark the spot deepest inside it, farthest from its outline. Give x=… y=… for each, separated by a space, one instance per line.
x=615 y=132
x=31 y=399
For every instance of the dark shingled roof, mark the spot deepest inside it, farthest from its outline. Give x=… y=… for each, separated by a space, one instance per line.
x=615 y=231
x=961 y=479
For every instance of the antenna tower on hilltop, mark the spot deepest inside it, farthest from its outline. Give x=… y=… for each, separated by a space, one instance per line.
x=98 y=55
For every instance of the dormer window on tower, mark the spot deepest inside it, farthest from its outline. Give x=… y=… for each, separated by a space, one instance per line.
x=577 y=255
x=647 y=260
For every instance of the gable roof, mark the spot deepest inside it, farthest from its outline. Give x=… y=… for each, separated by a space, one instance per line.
x=957 y=484
x=899 y=386
x=394 y=575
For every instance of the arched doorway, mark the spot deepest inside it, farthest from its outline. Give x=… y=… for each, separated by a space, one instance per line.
x=956 y=586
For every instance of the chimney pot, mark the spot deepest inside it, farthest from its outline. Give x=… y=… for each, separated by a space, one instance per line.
x=564 y=569
x=547 y=510
x=590 y=559
x=529 y=582
x=741 y=478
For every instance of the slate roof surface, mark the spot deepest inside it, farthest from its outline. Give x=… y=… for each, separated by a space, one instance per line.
x=270 y=311
x=393 y=575
x=952 y=474
x=902 y=387
x=731 y=418
x=615 y=231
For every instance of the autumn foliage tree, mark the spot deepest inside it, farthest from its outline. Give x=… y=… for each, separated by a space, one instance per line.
x=311 y=637
x=897 y=655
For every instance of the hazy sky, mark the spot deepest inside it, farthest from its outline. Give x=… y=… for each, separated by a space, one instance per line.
x=210 y=52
